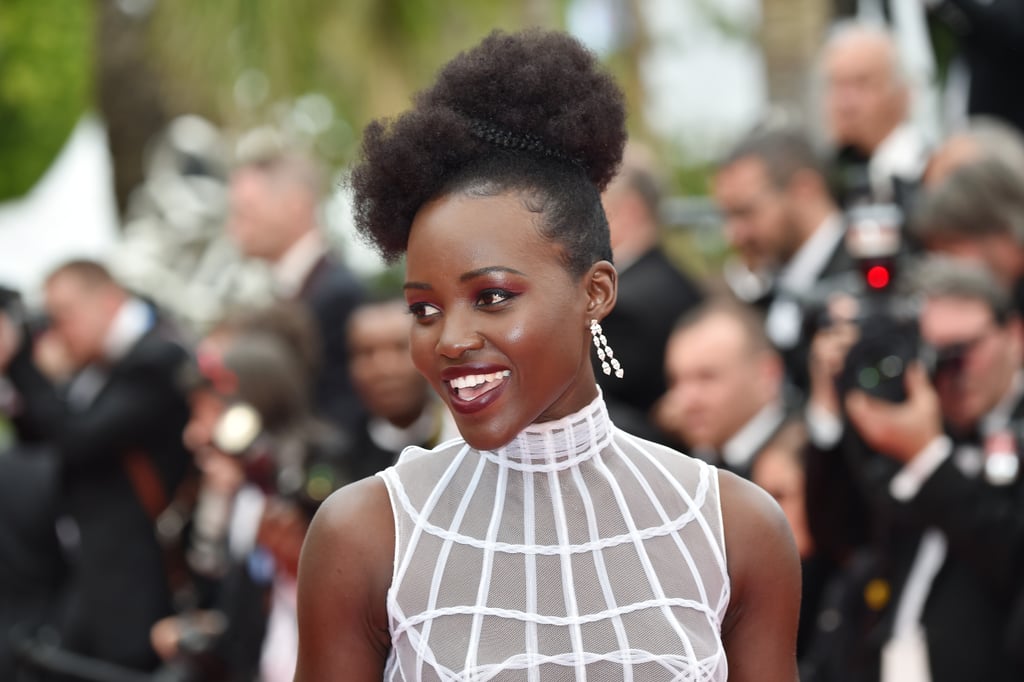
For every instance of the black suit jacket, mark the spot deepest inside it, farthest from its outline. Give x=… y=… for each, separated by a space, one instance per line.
x=120 y=586
x=991 y=39
x=795 y=358
x=981 y=583
x=652 y=295
x=31 y=565
x=764 y=438
x=332 y=292
x=978 y=591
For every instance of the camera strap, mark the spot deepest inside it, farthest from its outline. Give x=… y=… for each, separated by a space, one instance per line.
x=161 y=510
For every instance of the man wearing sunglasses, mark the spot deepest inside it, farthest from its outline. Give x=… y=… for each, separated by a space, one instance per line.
x=942 y=491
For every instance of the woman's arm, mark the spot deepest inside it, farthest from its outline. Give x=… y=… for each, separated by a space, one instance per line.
x=344 y=576
x=760 y=626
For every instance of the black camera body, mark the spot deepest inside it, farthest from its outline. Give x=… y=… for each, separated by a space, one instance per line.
x=879 y=244
x=32 y=322
x=877 y=362
x=886 y=315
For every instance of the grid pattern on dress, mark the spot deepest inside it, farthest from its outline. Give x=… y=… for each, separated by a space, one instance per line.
x=575 y=552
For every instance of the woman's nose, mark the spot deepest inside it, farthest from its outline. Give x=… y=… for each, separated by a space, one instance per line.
x=458 y=335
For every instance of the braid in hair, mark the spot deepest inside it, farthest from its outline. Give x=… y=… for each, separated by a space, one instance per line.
x=523 y=142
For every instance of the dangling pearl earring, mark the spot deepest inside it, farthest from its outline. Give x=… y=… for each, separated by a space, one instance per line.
x=604 y=351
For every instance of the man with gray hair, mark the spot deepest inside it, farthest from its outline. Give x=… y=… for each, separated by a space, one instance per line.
x=977 y=213
x=866 y=106
x=983 y=138
x=977 y=47
x=275 y=203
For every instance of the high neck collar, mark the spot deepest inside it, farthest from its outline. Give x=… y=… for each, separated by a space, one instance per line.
x=558 y=444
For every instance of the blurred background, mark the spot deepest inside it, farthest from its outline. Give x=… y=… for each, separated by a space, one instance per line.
x=196 y=349
x=88 y=90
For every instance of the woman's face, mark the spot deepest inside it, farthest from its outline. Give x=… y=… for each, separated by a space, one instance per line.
x=500 y=326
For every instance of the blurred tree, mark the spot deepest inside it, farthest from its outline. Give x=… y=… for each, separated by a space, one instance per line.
x=45 y=84
x=239 y=63
x=236 y=61
x=791 y=34
x=128 y=95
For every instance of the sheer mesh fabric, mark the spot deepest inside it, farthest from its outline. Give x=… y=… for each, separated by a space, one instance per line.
x=575 y=552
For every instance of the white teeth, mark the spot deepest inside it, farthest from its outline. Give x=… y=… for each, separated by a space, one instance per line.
x=471 y=380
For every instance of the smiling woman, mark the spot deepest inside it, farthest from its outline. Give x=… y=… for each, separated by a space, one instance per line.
x=545 y=544
x=491 y=340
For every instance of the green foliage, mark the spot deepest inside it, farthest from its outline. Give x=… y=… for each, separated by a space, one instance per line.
x=46 y=60
x=236 y=61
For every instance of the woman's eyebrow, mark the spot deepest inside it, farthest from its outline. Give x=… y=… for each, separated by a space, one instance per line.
x=465 y=277
x=473 y=274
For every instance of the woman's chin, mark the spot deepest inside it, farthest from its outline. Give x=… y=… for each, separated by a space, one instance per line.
x=481 y=439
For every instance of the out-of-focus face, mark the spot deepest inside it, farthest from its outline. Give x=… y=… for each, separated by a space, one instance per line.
x=717 y=382
x=957 y=152
x=864 y=98
x=381 y=363
x=991 y=357
x=619 y=210
x=263 y=212
x=223 y=473
x=780 y=475
x=206 y=409
x=759 y=220
x=81 y=315
x=998 y=253
x=500 y=327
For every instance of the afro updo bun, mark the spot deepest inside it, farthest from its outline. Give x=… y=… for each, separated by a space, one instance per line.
x=530 y=111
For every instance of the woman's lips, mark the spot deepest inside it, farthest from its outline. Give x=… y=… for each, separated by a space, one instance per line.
x=469 y=393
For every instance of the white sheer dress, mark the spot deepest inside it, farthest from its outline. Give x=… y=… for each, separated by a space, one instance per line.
x=576 y=552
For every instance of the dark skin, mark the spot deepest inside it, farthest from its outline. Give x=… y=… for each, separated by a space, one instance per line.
x=347 y=560
x=344 y=576
x=759 y=631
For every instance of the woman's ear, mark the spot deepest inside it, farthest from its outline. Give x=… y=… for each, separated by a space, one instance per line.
x=602 y=284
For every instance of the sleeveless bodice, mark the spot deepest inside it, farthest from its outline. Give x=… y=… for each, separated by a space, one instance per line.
x=575 y=552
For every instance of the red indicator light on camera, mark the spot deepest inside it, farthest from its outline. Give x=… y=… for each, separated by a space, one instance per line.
x=878 y=277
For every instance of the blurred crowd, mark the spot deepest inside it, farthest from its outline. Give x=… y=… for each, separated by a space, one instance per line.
x=179 y=413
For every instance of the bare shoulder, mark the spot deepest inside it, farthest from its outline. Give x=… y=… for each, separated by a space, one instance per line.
x=759 y=631
x=344 y=576
x=347 y=508
x=352 y=533
x=749 y=514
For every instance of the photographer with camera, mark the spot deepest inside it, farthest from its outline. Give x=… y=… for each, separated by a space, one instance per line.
x=266 y=465
x=937 y=475
x=115 y=431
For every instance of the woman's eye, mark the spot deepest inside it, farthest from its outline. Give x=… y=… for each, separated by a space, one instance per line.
x=494 y=296
x=422 y=311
